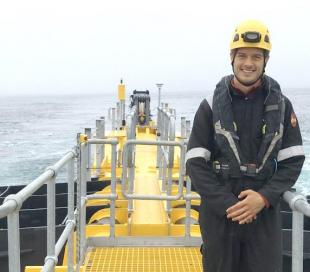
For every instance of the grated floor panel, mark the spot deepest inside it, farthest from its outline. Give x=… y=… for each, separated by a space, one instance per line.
x=141 y=259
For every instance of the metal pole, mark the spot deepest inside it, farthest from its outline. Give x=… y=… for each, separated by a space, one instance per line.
x=171 y=137
x=159 y=130
x=188 y=208
x=88 y=157
x=78 y=201
x=123 y=113
x=70 y=180
x=188 y=128
x=113 y=119
x=163 y=150
x=169 y=189
x=118 y=115
x=159 y=86
x=183 y=127
x=130 y=187
x=14 y=241
x=83 y=199
x=164 y=174
x=51 y=232
x=158 y=136
x=131 y=163
x=297 y=241
x=100 y=133
x=113 y=189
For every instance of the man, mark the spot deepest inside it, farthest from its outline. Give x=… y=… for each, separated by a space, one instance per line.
x=242 y=156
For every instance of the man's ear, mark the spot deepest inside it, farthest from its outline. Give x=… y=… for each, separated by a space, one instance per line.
x=232 y=55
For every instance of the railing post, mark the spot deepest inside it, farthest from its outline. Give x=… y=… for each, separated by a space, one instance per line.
x=83 y=200
x=170 y=137
x=78 y=201
x=164 y=173
x=88 y=157
x=188 y=208
x=113 y=189
x=297 y=241
x=131 y=171
x=118 y=115
x=51 y=214
x=70 y=180
x=113 y=119
x=188 y=128
x=183 y=127
x=100 y=133
x=159 y=86
x=123 y=113
x=300 y=207
x=14 y=241
x=158 y=136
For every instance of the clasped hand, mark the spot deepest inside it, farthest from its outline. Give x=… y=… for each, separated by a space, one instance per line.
x=246 y=210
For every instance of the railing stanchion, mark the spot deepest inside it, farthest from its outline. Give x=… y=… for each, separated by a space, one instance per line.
x=70 y=180
x=14 y=241
x=297 y=241
x=113 y=189
x=51 y=214
x=84 y=154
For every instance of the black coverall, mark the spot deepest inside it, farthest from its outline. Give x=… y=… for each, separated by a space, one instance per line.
x=228 y=246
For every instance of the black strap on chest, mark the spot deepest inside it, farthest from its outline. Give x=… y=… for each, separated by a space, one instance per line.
x=227 y=138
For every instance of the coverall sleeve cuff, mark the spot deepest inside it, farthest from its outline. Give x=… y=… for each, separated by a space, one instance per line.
x=272 y=201
x=267 y=204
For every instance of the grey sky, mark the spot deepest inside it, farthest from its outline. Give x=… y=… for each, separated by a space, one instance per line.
x=77 y=46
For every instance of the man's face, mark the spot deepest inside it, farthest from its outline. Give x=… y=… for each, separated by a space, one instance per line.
x=248 y=65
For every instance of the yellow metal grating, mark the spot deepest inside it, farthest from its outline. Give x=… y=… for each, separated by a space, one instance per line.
x=134 y=259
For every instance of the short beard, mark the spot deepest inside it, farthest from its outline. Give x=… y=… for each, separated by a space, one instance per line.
x=248 y=84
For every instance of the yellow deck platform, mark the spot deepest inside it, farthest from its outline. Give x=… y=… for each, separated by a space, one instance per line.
x=160 y=259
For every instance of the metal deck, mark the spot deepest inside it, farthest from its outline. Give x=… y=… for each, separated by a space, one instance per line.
x=129 y=259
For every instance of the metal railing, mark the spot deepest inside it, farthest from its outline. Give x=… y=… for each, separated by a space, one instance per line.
x=165 y=154
x=128 y=162
x=13 y=203
x=185 y=128
x=300 y=207
x=116 y=115
x=131 y=135
x=128 y=180
x=82 y=196
x=125 y=178
x=100 y=134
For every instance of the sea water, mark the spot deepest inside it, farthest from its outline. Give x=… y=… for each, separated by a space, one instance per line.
x=36 y=131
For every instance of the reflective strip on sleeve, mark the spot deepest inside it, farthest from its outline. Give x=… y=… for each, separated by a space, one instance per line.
x=296 y=150
x=198 y=152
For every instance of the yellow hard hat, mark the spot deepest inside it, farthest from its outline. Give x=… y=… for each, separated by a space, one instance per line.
x=251 y=33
